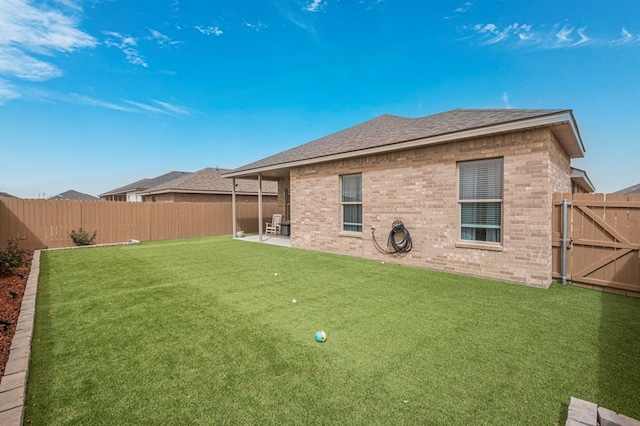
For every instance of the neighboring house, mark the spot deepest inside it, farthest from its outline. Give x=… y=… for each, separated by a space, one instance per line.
x=473 y=187
x=74 y=195
x=635 y=189
x=5 y=195
x=131 y=192
x=206 y=185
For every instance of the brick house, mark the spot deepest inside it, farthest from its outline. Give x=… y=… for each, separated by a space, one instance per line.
x=206 y=186
x=131 y=192
x=473 y=187
x=203 y=186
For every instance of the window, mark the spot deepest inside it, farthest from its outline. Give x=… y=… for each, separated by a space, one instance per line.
x=480 y=199
x=352 y=202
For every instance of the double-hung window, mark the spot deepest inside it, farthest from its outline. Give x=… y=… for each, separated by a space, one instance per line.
x=480 y=199
x=351 y=201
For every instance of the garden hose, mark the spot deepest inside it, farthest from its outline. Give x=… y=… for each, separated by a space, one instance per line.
x=399 y=239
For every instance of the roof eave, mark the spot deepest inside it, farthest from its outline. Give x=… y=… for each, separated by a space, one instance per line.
x=580 y=177
x=568 y=135
x=186 y=191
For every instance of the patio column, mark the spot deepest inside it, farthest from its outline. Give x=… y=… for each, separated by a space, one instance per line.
x=233 y=206
x=260 y=205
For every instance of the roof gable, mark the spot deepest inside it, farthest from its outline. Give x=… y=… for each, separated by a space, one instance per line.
x=74 y=195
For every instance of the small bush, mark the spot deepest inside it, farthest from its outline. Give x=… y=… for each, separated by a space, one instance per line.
x=11 y=257
x=82 y=238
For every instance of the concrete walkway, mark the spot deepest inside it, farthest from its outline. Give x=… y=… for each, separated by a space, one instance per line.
x=276 y=240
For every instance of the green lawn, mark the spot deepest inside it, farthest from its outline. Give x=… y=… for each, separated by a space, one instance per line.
x=204 y=331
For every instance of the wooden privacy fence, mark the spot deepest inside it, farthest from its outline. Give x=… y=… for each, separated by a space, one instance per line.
x=47 y=223
x=602 y=241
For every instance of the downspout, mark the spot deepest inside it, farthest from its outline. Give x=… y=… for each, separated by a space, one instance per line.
x=233 y=207
x=565 y=240
x=260 y=205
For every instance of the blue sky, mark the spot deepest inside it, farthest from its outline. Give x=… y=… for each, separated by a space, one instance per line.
x=95 y=94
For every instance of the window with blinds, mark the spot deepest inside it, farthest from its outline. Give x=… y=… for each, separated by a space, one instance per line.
x=480 y=198
x=352 y=202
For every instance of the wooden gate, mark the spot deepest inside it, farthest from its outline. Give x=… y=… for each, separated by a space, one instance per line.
x=603 y=241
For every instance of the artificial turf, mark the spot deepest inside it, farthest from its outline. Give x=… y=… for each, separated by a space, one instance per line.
x=204 y=331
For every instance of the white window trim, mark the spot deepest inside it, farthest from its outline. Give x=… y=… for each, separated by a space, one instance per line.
x=343 y=232
x=485 y=245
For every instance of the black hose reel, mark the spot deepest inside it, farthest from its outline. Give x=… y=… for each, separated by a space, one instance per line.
x=399 y=240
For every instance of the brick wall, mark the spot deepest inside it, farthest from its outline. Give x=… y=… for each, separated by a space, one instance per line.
x=283 y=185
x=419 y=187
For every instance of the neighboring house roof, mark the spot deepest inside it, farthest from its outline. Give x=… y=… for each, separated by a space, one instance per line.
x=209 y=181
x=146 y=183
x=391 y=133
x=635 y=189
x=74 y=195
x=6 y=195
x=580 y=177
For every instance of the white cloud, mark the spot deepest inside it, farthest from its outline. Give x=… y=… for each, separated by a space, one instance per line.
x=565 y=37
x=127 y=45
x=7 y=91
x=171 y=108
x=258 y=26
x=15 y=63
x=314 y=6
x=28 y=31
x=557 y=37
x=463 y=8
x=505 y=99
x=626 y=38
x=209 y=30
x=292 y=16
x=156 y=107
x=161 y=39
x=493 y=34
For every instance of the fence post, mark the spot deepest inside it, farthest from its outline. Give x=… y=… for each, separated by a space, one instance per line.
x=565 y=203
x=233 y=207
x=260 y=205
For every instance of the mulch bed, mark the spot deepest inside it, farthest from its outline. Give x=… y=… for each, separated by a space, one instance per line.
x=10 y=305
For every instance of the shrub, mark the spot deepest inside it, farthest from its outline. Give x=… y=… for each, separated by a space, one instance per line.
x=11 y=257
x=82 y=238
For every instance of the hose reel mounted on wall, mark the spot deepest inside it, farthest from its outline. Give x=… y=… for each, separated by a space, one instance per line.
x=399 y=240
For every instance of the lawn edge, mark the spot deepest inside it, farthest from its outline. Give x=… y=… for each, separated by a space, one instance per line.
x=13 y=385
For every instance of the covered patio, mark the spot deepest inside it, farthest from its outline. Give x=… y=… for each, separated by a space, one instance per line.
x=278 y=174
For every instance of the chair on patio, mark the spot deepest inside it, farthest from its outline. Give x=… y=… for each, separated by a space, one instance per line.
x=273 y=227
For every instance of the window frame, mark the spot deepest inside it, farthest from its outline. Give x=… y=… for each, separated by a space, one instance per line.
x=486 y=201
x=344 y=203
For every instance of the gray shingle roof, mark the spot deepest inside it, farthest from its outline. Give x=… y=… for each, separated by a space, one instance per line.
x=388 y=130
x=146 y=183
x=74 y=195
x=634 y=189
x=209 y=180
